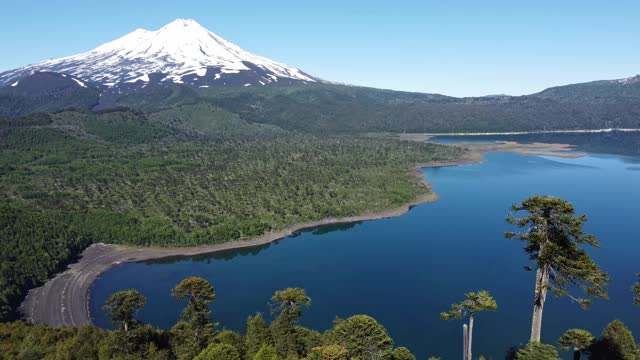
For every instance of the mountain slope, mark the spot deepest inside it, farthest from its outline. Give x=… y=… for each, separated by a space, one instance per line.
x=330 y=108
x=46 y=91
x=600 y=91
x=333 y=108
x=181 y=52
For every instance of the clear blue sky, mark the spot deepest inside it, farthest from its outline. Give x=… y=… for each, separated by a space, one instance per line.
x=460 y=48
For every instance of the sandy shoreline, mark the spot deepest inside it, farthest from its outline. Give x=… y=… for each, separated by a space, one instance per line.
x=535 y=148
x=64 y=299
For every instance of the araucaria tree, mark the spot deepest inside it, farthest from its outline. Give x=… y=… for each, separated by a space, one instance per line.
x=474 y=303
x=122 y=306
x=362 y=336
x=553 y=234
x=578 y=339
x=288 y=303
x=195 y=326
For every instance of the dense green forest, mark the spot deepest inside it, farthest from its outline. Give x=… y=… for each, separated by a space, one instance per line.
x=162 y=179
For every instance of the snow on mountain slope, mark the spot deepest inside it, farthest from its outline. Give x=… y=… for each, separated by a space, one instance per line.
x=181 y=52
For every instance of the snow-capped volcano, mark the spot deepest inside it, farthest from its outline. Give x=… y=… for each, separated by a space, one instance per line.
x=182 y=51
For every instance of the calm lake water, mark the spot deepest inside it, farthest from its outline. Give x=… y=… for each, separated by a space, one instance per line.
x=405 y=271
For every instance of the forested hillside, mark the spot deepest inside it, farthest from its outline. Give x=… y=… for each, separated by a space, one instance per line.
x=331 y=108
x=337 y=108
x=46 y=91
x=596 y=91
x=170 y=179
x=328 y=108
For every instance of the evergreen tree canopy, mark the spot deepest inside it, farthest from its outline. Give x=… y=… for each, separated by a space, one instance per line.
x=363 y=336
x=200 y=294
x=332 y=352
x=231 y=338
x=552 y=234
x=402 y=353
x=289 y=300
x=474 y=303
x=616 y=342
x=122 y=306
x=266 y=352
x=219 y=352
x=537 y=351
x=578 y=339
x=256 y=335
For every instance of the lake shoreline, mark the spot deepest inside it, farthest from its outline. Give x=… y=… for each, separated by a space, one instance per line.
x=64 y=299
x=539 y=132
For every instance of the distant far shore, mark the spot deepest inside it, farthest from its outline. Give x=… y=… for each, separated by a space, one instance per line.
x=526 y=132
x=64 y=299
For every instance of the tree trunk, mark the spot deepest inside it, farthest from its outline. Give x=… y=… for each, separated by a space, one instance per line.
x=470 y=337
x=542 y=281
x=576 y=354
x=465 y=342
x=126 y=328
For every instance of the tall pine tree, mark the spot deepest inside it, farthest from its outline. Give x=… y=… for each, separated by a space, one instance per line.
x=552 y=234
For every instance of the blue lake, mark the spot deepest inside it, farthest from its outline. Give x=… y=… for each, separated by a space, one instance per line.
x=404 y=271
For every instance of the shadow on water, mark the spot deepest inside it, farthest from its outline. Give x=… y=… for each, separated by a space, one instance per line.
x=209 y=257
x=512 y=351
x=332 y=228
x=249 y=251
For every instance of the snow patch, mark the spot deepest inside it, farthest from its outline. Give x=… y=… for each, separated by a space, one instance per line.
x=246 y=85
x=144 y=78
x=79 y=82
x=629 y=80
x=15 y=83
